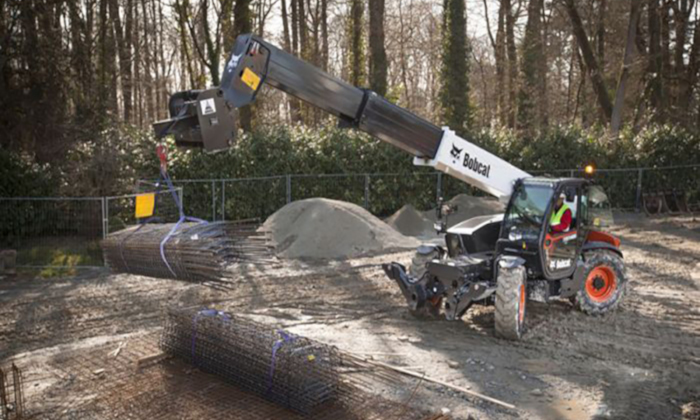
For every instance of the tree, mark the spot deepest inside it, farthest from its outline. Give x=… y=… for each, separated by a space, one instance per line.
x=511 y=52
x=356 y=51
x=377 y=60
x=243 y=23
x=532 y=96
x=616 y=118
x=454 y=82
x=123 y=38
x=597 y=81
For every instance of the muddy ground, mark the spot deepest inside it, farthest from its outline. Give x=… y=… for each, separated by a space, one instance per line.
x=641 y=362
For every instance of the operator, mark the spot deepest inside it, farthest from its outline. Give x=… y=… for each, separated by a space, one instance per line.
x=561 y=216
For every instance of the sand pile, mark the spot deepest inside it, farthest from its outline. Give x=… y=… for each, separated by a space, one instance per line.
x=412 y=222
x=323 y=228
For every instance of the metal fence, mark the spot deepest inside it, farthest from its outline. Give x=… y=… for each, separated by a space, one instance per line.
x=66 y=231
x=383 y=194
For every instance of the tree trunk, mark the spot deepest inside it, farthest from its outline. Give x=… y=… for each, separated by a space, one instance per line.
x=532 y=94
x=600 y=35
x=378 y=61
x=124 y=55
x=597 y=81
x=454 y=92
x=285 y=26
x=303 y=31
x=213 y=54
x=512 y=61
x=357 y=56
x=242 y=24
x=295 y=28
x=501 y=64
x=616 y=120
x=147 y=75
x=324 y=34
x=655 y=68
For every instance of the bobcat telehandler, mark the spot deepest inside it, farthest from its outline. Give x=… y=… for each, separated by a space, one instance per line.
x=502 y=260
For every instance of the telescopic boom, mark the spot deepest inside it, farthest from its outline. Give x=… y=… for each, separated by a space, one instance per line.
x=254 y=63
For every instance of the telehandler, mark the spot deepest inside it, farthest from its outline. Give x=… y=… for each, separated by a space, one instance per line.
x=500 y=260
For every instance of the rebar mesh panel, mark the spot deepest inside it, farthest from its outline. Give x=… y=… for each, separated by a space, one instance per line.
x=293 y=371
x=194 y=252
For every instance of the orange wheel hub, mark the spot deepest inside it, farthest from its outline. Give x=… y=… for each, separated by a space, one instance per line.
x=601 y=284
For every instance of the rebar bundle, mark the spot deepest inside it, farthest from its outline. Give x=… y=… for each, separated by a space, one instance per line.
x=190 y=251
x=293 y=371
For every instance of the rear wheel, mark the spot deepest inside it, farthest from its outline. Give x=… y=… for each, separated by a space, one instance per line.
x=511 y=296
x=604 y=282
x=417 y=270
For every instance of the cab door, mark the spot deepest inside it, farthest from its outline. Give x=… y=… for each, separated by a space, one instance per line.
x=561 y=248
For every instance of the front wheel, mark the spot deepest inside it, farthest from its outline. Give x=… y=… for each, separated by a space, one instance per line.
x=511 y=295
x=604 y=283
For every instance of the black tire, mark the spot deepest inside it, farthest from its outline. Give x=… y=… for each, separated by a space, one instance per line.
x=511 y=296
x=604 y=282
x=417 y=270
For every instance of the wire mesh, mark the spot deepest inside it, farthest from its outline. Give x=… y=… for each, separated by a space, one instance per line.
x=287 y=369
x=12 y=394
x=111 y=381
x=193 y=251
x=306 y=376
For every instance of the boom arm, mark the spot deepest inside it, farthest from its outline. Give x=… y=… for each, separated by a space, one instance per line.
x=254 y=62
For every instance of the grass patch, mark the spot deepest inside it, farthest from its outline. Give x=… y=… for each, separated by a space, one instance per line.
x=60 y=256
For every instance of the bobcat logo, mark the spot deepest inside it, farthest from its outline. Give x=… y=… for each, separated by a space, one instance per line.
x=455 y=153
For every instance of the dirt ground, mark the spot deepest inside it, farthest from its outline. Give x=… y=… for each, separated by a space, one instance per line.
x=641 y=362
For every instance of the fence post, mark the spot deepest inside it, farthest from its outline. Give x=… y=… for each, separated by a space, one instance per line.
x=289 y=189
x=571 y=173
x=439 y=187
x=223 y=200
x=366 y=191
x=638 y=198
x=213 y=201
x=105 y=217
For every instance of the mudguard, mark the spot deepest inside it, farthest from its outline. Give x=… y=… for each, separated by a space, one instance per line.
x=510 y=261
x=593 y=245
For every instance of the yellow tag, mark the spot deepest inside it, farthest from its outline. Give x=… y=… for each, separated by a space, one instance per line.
x=311 y=357
x=596 y=222
x=524 y=246
x=250 y=78
x=144 y=205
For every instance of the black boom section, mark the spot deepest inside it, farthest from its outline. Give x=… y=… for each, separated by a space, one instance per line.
x=254 y=62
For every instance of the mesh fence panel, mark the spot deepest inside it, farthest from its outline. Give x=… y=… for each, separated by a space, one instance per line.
x=48 y=231
x=388 y=193
x=350 y=188
x=254 y=198
x=120 y=210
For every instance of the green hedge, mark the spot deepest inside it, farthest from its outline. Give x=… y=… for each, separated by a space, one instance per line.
x=118 y=156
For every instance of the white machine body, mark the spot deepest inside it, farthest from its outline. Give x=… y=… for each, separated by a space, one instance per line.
x=468 y=162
